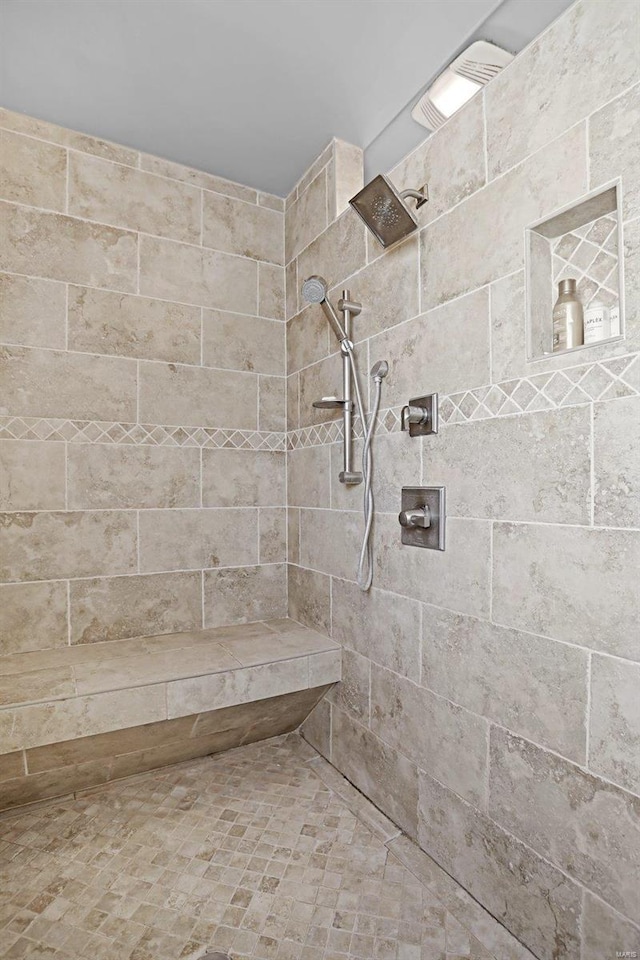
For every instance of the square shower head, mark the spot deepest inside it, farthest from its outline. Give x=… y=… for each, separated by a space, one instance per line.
x=384 y=211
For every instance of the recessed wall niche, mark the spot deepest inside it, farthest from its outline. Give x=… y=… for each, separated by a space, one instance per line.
x=582 y=241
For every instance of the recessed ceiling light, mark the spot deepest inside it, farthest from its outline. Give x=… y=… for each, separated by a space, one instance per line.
x=459 y=82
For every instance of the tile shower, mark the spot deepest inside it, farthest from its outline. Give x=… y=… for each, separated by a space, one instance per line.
x=164 y=471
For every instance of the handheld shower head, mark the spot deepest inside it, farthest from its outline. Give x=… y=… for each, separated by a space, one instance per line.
x=379 y=370
x=314 y=290
x=385 y=212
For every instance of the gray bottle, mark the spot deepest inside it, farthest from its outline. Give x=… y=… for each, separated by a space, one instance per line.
x=568 y=318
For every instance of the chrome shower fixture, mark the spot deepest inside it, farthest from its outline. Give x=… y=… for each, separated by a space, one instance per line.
x=314 y=290
x=385 y=212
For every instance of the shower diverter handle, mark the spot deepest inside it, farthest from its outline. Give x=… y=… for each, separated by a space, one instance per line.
x=417 y=517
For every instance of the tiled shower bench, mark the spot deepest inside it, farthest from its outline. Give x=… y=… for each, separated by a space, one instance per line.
x=84 y=715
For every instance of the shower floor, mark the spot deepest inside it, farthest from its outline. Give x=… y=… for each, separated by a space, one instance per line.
x=247 y=853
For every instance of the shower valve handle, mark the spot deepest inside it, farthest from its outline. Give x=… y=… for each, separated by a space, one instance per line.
x=418 y=517
x=411 y=414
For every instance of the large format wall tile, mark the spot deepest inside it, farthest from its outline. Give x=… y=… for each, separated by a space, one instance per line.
x=271 y=291
x=117 y=607
x=50 y=383
x=588 y=828
x=62 y=248
x=534 y=686
x=306 y=217
x=615 y=132
x=129 y=326
x=33 y=616
x=537 y=902
x=243 y=594
x=32 y=311
x=309 y=597
x=322 y=379
x=47 y=546
x=44 y=130
x=119 y=195
x=242 y=228
x=336 y=253
x=603 y=928
x=272 y=403
x=388 y=289
x=243 y=478
x=236 y=342
x=397 y=464
x=616 y=462
x=198 y=178
x=32 y=475
x=437 y=735
x=308 y=476
x=111 y=476
x=197 y=396
x=614 y=744
x=508 y=467
x=32 y=171
x=568 y=583
x=308 y=337
x=272 y=522
x=352 y=693
x=195 y=539
x=190 y=274
x=330 y=541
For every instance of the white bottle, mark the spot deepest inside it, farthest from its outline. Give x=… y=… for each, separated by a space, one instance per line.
x=614 y=321
x=596 y=322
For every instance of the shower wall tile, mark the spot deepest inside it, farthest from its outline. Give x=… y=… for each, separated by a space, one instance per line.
x=124 y=476
x=323 y=379
x=123 y=197
x=293 y=537
x=615 y=131
x=309 y=479
x=197 y=396
x=272 y=523
x=336 y=253
x=32 y=311
x=271 y=295
x=352 y=694
x=56 y=545
x=330 y=541
x=293 y=390
x=33 y=616
x=291 y=289
x=602 y=927
x=272 y=403
x=532 y=685
x=130 y=326
x=568 y=583
x=345 y=177
x=544 y=912
x=243 y=478
x=459 y=252
x=598 y=63
x=238 y=342
x=57 y=247
x=587 y=828
x=614 y=742
x=316 y=729
x=243 y=594
x=388 y=289
x=32 y=172
x=246 y=230
x=190 y=274
x=307 y=338
x=32 y=475
x=397 y=465
x=198 y=178
x=197 y=539
x=48 y=383
x=616 y=462
x=309 y=597
x=306 y=217
x=43 y=130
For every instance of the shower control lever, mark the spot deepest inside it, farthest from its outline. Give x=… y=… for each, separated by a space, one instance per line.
x=420 y=416
x=422 y=517
x=419 y=517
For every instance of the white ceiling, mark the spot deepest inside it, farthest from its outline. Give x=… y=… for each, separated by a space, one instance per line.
x=249 y=89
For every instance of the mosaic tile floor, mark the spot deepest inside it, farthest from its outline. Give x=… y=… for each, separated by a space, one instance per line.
x=248 y=853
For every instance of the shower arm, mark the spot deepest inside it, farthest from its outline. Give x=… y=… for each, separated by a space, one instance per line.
x=420 y=195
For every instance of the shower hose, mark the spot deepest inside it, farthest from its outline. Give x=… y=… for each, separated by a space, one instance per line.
x=365 y=562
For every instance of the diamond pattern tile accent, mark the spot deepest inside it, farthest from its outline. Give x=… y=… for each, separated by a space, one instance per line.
x=589 y=254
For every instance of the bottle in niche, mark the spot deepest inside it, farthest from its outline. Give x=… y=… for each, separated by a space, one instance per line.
x=614 y=321
x=596 y=322
x=568 y=330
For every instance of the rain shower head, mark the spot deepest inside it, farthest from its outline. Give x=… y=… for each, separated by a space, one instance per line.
x=314 y=290
x=385 y=212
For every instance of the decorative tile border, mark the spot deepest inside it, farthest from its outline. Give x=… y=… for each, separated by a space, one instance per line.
x=606 y=380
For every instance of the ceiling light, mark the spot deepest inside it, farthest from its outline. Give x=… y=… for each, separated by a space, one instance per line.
x=459 y=82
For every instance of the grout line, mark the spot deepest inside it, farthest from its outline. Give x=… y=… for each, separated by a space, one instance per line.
x=592 y=466
x=68 y=583
x=202 y=605
x=138 y=540
x=588 y=714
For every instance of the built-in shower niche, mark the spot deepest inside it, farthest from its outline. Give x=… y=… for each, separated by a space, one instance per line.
x=582 y=241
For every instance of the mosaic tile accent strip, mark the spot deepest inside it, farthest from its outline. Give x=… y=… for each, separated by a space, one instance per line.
x=99 y=431
x=590 y=255
x=606 y=380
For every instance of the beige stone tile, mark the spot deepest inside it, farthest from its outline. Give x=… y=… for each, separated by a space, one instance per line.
x=325 y=668
x=336 y=253
x=111 y=476
x=323 y=379
x=450 y=162
x=292 y=402
x=396 y=464
x=11 y=765
x=271 y=296
x=242 y=228
x=243 y=478
x=382 y=774
x=62 y=248
x=534 y=686
x=269 y=716
x=32 y=172
x=33 y=726
x=309 y=597
x=21 y=123
x=380 y=826
x=616 y=462
x=272 y=201
x=457 y=579
x=316 y=728
x=345 y=176
x=293 y=536
x=54 y=783
x=197 y=396
x=299 y=642
x=237 y=342
x=598 y=64
x=32 y=312
x=198 y=178
x=291 y=289
x=36 y=685
x=273 y=534
x=118 y=607
x=614 y=741
x=272 y=403
x=378 y=625
x=41 y=546
x=457 y=252
x=443 y=351
x=50 y=383
x=330 y=541
x=509 y=467
x=308 y=338
x=242 y=594
x=603 y=927
x=128 y=326
x=237 y=686
x=583 y=825
x=489 y=863
x=191 y=274
x=193 y=539
x=614 y=146
x=33 y=616
x=352 y=694
x=306 y=217
x=31 y=475
x=568 y=583
x=436 y=735
x=124 y=197
x=308 y=476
